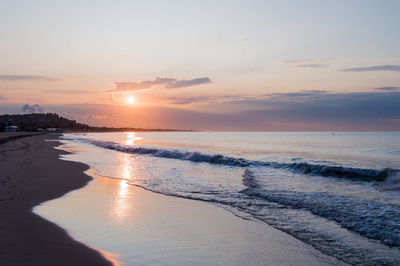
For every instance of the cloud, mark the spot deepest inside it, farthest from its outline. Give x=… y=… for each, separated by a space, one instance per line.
x=215 y=99
x=387 y=88
x=167 y=83
x=297 y=61
x=69 y=91
x=2 y=97
x=26 y=78
x=206 y=99
x=356 y=107
x=297 y=94
x=307 y=62
x=29 y=109
x=311 y=66
x=341 y=111
x=188 y=100
x=395 y=68
x=187 y=83
x=321 y=111
x=324 y=111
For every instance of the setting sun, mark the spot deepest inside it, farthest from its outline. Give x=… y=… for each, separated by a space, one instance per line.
x=130 y=100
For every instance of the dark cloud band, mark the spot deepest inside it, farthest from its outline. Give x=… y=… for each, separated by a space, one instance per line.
x=387 y=88
x=395 y=68
x=167 y=83
x=297 y=94
x=26 y=78
x=311 y=66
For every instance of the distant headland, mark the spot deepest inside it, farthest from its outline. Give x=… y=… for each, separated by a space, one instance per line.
x=55 y=122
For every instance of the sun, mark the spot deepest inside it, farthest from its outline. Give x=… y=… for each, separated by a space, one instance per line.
x=130 y=100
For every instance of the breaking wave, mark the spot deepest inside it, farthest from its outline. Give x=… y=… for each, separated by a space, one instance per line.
x=249 y=180
x=299 y=167
x=362 y=217
x=392 y=182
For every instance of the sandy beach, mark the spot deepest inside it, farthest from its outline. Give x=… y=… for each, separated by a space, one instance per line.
x=31 y=174
x=140 y=227
x=152 y=228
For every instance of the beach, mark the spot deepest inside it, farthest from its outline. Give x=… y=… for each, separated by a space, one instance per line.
x=139 y=227
x=31 y=174
x=331 y=192
x=153 y=228
x=175 y=198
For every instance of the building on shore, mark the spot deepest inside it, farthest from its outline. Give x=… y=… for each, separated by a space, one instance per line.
x=53 y=129
x=10 y=128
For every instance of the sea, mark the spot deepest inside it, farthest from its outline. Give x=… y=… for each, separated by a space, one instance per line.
x=336 y=191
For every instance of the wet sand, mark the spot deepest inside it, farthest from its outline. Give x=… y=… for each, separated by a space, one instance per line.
x=31 y=173
x=144 y=228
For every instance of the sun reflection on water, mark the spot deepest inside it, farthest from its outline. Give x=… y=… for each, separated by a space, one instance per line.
x=123 y=188
x=123 y=205
x=131 y=138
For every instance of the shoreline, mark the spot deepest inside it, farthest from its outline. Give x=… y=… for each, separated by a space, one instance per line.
x=33 y=173
x=152 y=228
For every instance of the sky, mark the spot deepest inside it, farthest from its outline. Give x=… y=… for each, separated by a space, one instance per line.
x=204 y=65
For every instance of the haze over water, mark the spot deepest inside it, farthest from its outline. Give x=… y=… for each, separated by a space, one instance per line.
x=338 y=192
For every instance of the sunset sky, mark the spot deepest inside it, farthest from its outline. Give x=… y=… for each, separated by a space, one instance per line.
x=207 y=65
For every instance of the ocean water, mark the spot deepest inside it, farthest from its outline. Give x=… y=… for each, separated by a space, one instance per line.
x=339 y=192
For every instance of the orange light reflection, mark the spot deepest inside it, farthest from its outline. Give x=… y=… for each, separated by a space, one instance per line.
x=123 y=204
x=131 y=138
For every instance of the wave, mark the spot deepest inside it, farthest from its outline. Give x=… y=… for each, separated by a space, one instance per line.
x=343 y=172
x=352 y=229
x=249 y=180
x=218 y=159
x=392 y=182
